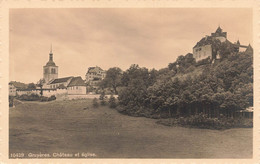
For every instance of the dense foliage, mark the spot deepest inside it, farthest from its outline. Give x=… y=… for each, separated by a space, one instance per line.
x=112 y=79
x=35 y=97
x=205 y=122
x=186 y=88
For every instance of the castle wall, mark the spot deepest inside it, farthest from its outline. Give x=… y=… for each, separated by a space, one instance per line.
x=202 y=52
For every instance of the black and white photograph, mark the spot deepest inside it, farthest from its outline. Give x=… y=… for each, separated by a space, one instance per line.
x=134 y=83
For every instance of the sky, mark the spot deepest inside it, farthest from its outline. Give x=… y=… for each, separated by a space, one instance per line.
x=83 y=38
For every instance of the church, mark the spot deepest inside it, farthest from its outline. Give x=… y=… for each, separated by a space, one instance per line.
x=73 y=85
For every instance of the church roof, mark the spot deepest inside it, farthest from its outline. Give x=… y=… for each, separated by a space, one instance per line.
x=50 y=63
x=61 y=80
x=77 y=81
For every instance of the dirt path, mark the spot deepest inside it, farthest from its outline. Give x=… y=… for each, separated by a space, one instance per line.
x=64 y=126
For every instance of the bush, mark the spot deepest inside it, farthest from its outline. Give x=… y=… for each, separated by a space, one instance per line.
x=102 y=98
x=205 y=122
x=43 y=98
x=95 y=103
x=11 y=101
x=31 y=97
x=52 y=98
x=112 y=102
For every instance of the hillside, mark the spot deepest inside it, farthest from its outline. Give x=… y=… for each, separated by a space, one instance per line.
x=188 y=87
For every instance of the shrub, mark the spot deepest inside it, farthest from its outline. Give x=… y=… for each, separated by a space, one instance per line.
x=112 y=102
x=52 y=98
x=205 y=122
x=102 y=98
x=11 y=101
x=95 y=103
x=43 y=98
x=31 y=97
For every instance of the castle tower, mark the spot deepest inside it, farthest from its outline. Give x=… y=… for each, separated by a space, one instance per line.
x=50 y=70
x=220 y=35
x=249 y=49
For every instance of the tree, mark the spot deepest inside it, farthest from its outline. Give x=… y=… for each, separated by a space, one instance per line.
x=112 y=79
x=112 y=102
x=31 y=86
x=40 y=84
x=95 y=103
x=102 y=98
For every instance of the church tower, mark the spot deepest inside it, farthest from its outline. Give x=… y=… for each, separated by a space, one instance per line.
x=50 y=70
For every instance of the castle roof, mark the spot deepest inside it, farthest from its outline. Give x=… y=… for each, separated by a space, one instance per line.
x=219 y=30
x=76 y=81
x=249 y=49
x=204 y=41
x=61 y=80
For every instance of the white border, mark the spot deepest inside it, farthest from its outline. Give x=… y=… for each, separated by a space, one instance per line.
x=5 y=5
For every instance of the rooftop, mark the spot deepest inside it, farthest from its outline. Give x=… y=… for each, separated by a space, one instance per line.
x=76 y=81
x=50 y=62
x=61 y=80
x=18 y=85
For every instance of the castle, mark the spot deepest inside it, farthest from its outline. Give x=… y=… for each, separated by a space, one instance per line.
x=208 y=46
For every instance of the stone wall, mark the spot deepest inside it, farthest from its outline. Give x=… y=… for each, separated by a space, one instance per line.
x=202 y=52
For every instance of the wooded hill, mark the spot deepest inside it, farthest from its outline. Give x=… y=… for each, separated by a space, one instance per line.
x=186 y=87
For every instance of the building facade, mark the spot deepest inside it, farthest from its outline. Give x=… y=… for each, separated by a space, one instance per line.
x=77 y=86
x=95 y=75
x=16 y=86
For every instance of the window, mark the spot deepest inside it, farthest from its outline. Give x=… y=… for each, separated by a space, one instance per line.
x=53 y=70
x=46 y=70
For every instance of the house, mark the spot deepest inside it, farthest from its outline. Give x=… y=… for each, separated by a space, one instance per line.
x=77 y=86
x=209 y=46
x=94 y=76
x=59 y=82
x=14 y=86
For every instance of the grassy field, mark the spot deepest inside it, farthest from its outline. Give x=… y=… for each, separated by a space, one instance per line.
x=64 y=126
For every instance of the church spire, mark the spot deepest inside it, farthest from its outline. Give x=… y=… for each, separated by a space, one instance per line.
x=51 y=54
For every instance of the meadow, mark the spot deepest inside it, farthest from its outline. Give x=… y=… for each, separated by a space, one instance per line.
x=73 y=126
